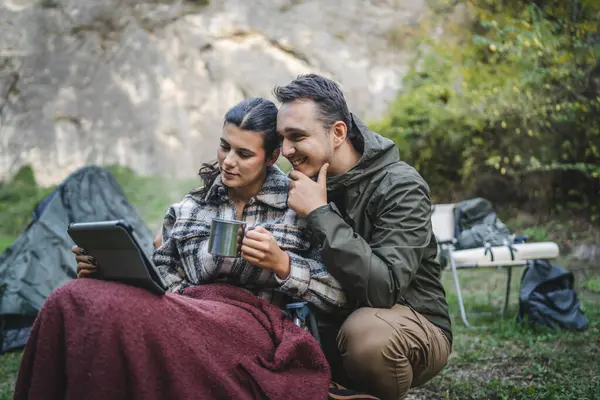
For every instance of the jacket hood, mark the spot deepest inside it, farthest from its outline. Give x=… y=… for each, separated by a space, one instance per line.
x=378 y=153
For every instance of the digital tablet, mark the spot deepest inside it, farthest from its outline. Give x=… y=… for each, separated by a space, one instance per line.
x=119 y=255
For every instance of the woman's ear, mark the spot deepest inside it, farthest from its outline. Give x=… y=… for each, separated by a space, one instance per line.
x=273 y=159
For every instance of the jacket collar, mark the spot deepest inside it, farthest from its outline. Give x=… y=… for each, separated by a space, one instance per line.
x=378 y=152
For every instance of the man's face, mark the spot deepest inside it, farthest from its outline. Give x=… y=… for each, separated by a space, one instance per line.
x=306 y=143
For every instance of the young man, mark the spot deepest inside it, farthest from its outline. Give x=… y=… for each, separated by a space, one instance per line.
x=372 y=215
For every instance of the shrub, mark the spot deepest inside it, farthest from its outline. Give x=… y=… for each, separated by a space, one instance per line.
x=509 y=109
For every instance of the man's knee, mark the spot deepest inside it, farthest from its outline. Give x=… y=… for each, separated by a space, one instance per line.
x=364 y=336
x=386 y=351
x=373 y=354
x=373 y=357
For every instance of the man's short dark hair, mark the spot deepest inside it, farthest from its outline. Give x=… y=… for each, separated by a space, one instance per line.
x=325 y=92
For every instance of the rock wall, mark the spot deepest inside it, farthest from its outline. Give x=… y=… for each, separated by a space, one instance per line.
x=146 y=83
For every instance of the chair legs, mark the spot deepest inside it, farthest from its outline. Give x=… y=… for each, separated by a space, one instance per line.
x=303 y=317
x=461 y=304
x=458 y=292
x=507 y=296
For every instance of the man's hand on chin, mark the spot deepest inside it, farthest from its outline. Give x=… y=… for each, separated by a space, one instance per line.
x=305 y=195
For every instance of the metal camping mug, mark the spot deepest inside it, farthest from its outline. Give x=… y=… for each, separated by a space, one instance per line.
x=226 y=237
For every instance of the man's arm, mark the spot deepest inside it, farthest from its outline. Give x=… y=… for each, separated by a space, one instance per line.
x=309 y=280
x=376 y=273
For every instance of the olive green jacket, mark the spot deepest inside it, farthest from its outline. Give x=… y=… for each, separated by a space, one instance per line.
x=376 y=236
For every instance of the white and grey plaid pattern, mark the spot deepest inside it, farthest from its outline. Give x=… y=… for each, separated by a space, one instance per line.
x=183 y=258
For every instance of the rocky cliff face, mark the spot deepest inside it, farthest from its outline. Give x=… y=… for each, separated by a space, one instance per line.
x=146 y=83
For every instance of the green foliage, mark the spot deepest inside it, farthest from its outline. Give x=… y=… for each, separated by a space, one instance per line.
x=536 y=234
x=515 y=97
x=18 y=198
x=6 y=241
x=593 y=285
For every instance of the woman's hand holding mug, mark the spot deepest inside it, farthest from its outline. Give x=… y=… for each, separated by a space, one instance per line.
x=260 y=248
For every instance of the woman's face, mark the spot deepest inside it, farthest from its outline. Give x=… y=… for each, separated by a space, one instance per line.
x=241 y=157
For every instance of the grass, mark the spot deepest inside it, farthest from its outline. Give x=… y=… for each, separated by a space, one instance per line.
x=501 y=359
x=5 y=241
x=9 y=365
x=498 y=360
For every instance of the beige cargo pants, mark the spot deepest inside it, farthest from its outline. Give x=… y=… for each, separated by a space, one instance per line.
x=385 y=352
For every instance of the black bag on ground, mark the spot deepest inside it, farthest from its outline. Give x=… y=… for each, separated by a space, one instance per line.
x=547 y=297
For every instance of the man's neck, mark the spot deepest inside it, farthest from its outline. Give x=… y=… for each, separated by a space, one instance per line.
x=344 y=159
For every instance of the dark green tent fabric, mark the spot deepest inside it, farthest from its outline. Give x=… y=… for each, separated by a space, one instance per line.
x=40 y=260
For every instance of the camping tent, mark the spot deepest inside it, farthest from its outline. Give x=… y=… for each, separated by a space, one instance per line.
x=40 y=260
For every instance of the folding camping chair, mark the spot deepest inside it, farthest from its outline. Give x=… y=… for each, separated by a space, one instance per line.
x=507 y=256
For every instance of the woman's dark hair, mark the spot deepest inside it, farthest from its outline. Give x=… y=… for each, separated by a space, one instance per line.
x=255 y=114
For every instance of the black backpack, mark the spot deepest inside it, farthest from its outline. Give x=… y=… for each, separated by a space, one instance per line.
x=547 y=297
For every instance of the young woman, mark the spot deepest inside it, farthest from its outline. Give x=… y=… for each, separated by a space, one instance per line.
x=215 y=335
x=243 y=184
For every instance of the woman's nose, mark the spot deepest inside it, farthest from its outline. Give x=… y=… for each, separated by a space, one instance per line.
x=229 y=160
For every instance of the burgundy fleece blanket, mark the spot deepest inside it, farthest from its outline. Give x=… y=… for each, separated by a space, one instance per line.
x=101 y=340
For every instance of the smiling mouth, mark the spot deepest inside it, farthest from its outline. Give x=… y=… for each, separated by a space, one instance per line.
x=229 y=173
x=298 y=161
